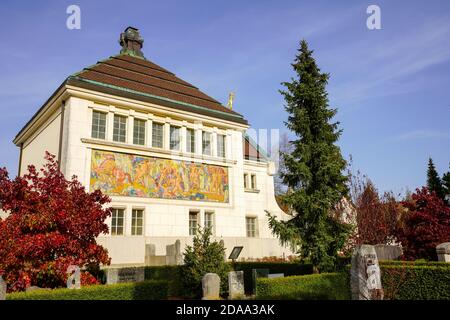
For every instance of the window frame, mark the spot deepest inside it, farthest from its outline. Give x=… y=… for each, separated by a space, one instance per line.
x=253 y=181
x=245 y=180
x=190 y=140
x=193 y=229
x=173 y=143
x=251 y=232
x=211 y=215
x=206 y=133
x=135 y=227
x=114 y=226
x=221 y=148
x=120 y=130
x=154 y=125
x=97 y=124
x=141 y=134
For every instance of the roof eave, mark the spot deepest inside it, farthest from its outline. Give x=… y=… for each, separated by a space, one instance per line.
x=127 y=93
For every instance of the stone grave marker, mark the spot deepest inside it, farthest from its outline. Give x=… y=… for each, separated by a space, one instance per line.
x=211 y=286
x=236 y=285
x=276 y=275
x=121 y=275
x=2 y=289
x=387 y=252
x=365 y=277
x=443 y=252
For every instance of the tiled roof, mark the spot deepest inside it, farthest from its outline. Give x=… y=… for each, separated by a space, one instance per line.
x=252 y=151
x=141 y=76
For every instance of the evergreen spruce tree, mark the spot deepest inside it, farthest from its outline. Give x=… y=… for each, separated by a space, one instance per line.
x=313 y=169
x=434 y=183
x=446 y=187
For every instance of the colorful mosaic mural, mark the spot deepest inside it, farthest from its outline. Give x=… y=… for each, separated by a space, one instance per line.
x=138 y=176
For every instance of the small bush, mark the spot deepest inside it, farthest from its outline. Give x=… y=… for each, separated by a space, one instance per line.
x=204 y=256
x=147 y=290
x=325 y=286
x=288 y=268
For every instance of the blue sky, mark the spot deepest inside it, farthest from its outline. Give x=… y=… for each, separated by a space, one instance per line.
x=391 y=86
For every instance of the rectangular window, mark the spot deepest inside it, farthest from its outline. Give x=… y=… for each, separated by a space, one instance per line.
x=206 y=143
x=209 y=220
x=253 y=178
x=245 y=181
x=221 y=145
x=139 y=132
x=117 y=222
x=251 y=227
x=137 y=222
x=157 y=135
x=175 y=138
x=193 y=222
x=190 y=140
x=120 y=128
x=98 y=125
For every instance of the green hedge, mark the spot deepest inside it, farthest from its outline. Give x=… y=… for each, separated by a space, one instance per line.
x=288 y=268
x=325 y=286
x=172 y=273
x=417 y=263
x=418 y=281
x=147 y=290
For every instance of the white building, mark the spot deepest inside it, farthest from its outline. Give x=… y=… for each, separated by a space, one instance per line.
x=170 y=157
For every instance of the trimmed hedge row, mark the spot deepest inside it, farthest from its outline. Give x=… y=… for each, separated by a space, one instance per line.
x=417 y=281
x=147 y=290
x=172 y=273
x=324 y=286
x=288 y=268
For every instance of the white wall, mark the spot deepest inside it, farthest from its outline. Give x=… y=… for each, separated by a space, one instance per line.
x=45 y=139
x=167 y=220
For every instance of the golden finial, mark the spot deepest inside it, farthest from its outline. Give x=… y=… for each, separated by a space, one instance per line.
x=230 y=100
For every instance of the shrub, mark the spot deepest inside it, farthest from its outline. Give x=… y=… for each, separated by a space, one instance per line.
x=425 y=225
x=288 y=268
x=325 y=286
x=147 y=290
x=420 y=281
x=171 y=274
x=203 y=257
x=53 y=223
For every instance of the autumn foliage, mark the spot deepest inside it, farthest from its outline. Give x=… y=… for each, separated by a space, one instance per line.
x=53 y=223
x=377 y=216
x=425 y=224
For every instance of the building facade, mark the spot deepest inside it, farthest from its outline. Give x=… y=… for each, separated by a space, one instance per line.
x=170 y=157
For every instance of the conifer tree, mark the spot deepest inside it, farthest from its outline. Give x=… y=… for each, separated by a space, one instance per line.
x=314 y=167
x=434 y=183
x=446 y=187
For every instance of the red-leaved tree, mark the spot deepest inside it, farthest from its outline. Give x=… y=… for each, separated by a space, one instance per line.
x=52 y=223
x=425 y=225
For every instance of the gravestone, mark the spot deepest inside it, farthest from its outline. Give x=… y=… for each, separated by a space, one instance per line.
x=276 y=275
x=235 y=285
x=73 y=280
x=173 y=254
x=121 y=275
x=387 y=252
x=258 y=273
x=443 y=252
x=211 y=286
x=365 y=276
x=2 y=289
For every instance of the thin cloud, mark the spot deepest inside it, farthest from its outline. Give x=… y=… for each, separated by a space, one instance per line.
x=422 y=135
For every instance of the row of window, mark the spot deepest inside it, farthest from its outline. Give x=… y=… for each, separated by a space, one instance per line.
x=120 y=134
x=137 y=222
x=252 y=185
